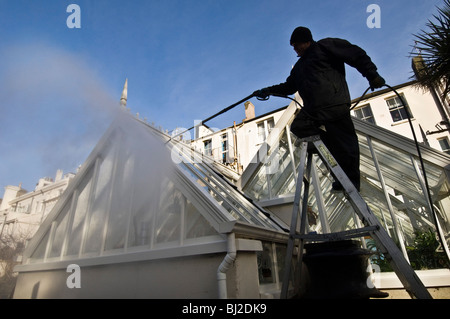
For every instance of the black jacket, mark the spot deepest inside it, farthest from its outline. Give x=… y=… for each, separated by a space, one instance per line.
x=319 y=77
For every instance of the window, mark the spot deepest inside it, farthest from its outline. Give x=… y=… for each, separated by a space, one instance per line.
x=264 y=129
x=207 y=147
x=271 y=264
x=365 y=113
x=224 y=148
x=445 y=145
x=397 y=109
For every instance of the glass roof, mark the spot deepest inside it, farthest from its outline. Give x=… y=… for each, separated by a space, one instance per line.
x=237 y=206
x=400 y=198
x=140 y=190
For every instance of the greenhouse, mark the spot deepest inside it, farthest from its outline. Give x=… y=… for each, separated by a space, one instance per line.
x=142 y=219
x=149 y=217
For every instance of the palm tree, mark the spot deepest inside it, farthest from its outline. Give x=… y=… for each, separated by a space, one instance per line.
x=432 y=61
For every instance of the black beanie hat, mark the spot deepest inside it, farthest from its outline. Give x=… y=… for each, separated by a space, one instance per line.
x=301 y=35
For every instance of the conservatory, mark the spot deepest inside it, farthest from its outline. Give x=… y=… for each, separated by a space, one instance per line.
x=149 y=217
x=145 y=218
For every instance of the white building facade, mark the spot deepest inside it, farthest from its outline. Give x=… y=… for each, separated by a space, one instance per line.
x=22 y=212
x=428 y=114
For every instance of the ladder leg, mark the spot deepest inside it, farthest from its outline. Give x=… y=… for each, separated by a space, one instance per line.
x=294 y=220
x=402 y=268
x=303 y=221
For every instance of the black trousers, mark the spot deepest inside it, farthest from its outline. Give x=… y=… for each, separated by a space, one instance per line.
x=340 y=138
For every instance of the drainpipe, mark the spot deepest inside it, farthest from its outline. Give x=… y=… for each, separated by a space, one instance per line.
x=225 y=265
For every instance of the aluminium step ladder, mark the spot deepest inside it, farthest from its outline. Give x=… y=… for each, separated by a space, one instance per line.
x=372 y=226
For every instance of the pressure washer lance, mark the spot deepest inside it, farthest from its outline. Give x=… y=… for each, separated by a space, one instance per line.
x=245 y=99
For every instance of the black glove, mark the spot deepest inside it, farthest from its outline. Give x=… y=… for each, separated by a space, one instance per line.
x=376 y=82
x=262 y=94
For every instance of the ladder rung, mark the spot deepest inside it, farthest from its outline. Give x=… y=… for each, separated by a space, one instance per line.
x=360 y=232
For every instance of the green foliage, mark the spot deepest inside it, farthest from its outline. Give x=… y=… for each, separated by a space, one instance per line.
x=9 y=251
x=433 y=60
x=422 y=253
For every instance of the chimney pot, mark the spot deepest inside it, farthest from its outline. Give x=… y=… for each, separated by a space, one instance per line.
x=249 y=111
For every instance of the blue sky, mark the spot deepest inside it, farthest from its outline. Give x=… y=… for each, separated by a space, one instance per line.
x=185 y=60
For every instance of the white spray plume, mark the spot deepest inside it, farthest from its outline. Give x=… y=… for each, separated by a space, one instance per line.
x=54 y=109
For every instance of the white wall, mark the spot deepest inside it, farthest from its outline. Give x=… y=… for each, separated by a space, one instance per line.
x=423 y=109
x=246 y=137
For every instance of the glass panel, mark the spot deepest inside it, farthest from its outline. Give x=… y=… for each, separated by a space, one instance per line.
x=271 y=264
x=397 y=109
x=406 y=194
x=229 y=198
x=140 y=226
x=261 y=132
x=100 y=203
x=148 y=182
x=282 y=179
x=365 y=113
x=224 y=148
x=39 y=253
x=280 y=251
x=76 y=230
x=266 y=269
x=121 y=201
x=257 y=187
x=396 y=167
x=445 y=145
x=195 y=224
x=59 y=233
x=208 y=147
x=168 y=217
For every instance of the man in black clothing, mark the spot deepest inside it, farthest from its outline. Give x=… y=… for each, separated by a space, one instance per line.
x=319 y=78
